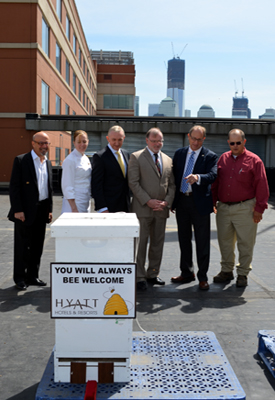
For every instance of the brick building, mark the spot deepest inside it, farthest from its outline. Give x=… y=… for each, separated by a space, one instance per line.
x=45 y=68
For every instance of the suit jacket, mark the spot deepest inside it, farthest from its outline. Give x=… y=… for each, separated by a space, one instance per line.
x=146 y=183
x=109 y=186
x=24 y=195
x=206 y=167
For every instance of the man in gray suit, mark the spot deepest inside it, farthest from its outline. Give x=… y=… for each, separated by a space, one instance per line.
x=151 y=180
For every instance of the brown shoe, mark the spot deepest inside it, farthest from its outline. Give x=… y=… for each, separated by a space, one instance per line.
x=181 y=279
x=203 y=285
x=241 y=281
x=223 y=277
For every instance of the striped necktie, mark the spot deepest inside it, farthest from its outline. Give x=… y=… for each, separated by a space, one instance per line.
x=157 y=163
x=188 y=171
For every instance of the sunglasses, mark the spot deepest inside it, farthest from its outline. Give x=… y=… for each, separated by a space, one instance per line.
x=233 y=143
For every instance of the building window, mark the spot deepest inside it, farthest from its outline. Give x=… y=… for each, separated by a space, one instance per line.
x=59 y=8
x=107 y=77
x=74 y=113
x=67 y=152
x=74 y=43
x=79 y=91
x=58 y=57
x=83 y=100
x=57 y=105
x=57 y=156
x=67 y=72
x=45 y=99
x=79 y=56
x=67 y=109
x=119 y=101
x=74 y=83
x=68 y=27
x=45 y=37
x=84 y=66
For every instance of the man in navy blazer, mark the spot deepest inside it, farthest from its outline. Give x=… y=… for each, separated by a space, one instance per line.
x=109 y=174
x=31 y=209
x=193 y=204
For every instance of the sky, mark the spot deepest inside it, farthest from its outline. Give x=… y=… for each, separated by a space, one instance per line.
x=227 y=46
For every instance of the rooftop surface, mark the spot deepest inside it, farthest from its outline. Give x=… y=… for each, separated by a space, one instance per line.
x=235 y=315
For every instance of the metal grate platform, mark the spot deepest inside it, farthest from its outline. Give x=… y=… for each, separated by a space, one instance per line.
x=266 y=349
x=164 y=365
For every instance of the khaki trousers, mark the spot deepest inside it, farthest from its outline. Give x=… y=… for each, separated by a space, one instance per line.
x=153 y=228
x=235 y=224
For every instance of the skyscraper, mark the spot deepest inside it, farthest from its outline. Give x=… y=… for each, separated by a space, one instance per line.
x=176 y=82
x=240 y=107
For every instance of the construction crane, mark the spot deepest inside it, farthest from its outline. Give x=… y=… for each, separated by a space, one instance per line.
x=174 y=51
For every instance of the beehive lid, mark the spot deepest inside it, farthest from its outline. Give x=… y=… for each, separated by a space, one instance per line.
x=96 y=225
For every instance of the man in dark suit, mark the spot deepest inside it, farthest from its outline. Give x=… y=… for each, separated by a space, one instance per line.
x=109 y=174
x=195 y=169
x=31 y=209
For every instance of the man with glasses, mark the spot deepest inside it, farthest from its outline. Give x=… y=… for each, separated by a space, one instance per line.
x=31 y=209
x=152 y=183
x=195 y=169
x=240 y=196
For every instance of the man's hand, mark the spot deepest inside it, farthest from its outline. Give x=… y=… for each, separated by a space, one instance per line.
x=20 y=215
x=50 y=218
x=215 y=208
x=157 y=205
x=257 y=217
x=191 y=179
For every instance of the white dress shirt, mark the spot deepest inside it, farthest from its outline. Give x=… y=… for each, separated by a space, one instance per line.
x=153 y=157
x=41 y=175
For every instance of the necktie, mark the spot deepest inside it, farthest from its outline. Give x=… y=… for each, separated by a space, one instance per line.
x=121 y=163
x=188 y=171
x=157 y=162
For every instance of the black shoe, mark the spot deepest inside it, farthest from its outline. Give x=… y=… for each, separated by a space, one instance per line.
x=155 y=281
x=142 y=286
x=21 y=285
x=36 y=282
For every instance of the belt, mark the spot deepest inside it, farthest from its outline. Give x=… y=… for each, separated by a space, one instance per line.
x=232 y=203
x=187 y=194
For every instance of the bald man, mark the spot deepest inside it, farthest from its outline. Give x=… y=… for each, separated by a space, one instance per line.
x=31 y=209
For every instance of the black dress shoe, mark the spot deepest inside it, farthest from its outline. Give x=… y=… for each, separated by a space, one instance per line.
x=181 y=279
x=142 y=286
x=21 y=285
x=155 y=281
x=37 y=282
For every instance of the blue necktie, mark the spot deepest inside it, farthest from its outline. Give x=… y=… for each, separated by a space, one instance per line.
x=188 y=171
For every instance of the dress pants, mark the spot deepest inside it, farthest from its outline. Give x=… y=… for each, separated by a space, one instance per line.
x=153 y=227
x=235 y=223
x=28 y=245
x=188 y=216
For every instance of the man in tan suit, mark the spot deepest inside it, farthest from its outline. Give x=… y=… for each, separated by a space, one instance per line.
x=151 y=180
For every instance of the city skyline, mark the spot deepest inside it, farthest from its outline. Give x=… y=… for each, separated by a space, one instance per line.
x=226 y=43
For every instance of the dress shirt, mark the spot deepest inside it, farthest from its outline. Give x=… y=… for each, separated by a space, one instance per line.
x=154 y=159
x=240 y=179
x=196 y=155
x=41 y=175
x=114 y=153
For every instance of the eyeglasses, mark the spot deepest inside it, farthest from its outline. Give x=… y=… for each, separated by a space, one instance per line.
x=156 y=141
x=233 y=143
x=195 y=139
x=42 y=143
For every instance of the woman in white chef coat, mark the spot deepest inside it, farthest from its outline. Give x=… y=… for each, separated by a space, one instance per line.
x=76 y=177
